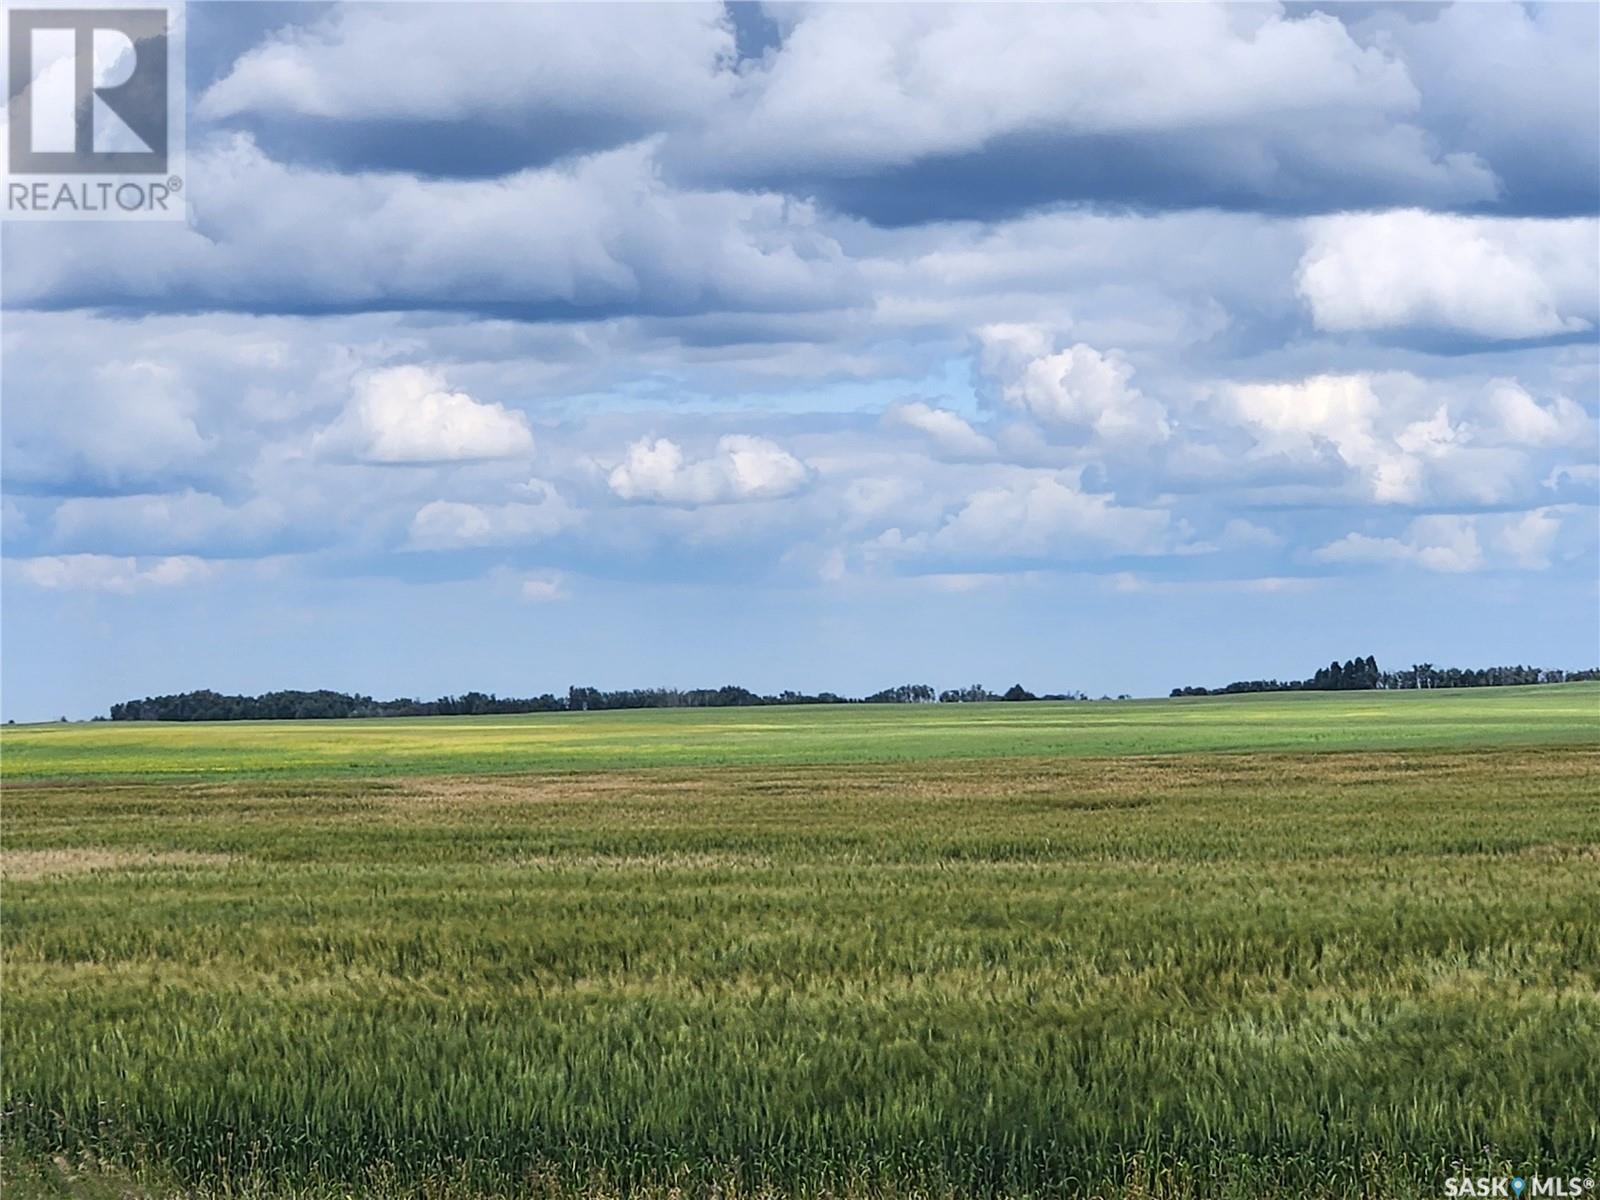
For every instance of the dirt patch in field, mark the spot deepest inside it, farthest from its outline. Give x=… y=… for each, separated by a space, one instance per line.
x=19 y=865
x=1043 y=784
x=452 y=792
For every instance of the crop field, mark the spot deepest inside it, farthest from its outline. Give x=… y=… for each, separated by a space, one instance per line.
x=1267 y=946
x=814 y=735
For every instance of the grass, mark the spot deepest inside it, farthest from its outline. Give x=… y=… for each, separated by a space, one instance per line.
x=822 y=734
x=1170 y=973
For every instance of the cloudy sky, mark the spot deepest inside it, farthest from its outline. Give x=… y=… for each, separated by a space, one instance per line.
x=509 y=347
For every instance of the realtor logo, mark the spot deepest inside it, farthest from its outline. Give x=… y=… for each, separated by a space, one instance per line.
x=93 y=92
x=98 y=104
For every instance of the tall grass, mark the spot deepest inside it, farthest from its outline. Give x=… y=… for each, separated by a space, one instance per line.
x=1251 y=975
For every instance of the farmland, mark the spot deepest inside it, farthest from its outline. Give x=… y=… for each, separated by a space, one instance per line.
x=1292 y=945
x=816 y=735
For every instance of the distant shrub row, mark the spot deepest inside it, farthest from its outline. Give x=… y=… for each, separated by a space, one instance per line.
x=1356 y=675
x=207 y=705
x=1362 y=674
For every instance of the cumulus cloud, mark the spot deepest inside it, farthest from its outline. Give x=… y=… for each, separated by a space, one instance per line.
x=409 y=415
x=1487 y=74
x=1003 y=107
x=1082 y=66
x=1339 y=411
x=512 y=84
x=1404 y=439
x=741 y=468
x=1457 y=543
x=1514 y=416
x=950 y=432
x=682 y=283
x=1078 y=388
x=1036 y=516
x=1527 y=539
x=108 y=572
x=455 y=525
x=660 y=60
x=914 y=112
x=602 y=235
x=1482 y=277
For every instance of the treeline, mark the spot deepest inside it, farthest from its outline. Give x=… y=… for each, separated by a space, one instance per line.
x=322 y=705
x=1358 y=674
x=206 y=705
x=1363 y=674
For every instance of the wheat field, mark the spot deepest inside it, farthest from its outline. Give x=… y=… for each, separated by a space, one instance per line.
x=1022 y=950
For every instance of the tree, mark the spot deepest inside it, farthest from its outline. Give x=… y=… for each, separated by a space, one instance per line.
x=906 y=693
x=967 y=695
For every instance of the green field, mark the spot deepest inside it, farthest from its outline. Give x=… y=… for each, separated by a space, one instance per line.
x=1272 y=946
x=817 y=735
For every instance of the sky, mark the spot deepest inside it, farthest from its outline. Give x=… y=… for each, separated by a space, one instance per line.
x=508 y=347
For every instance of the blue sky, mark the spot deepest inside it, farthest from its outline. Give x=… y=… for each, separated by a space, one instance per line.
x=510 y=347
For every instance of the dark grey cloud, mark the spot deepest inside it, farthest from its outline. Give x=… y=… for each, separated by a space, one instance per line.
x=907 y=114
x=480 y=147
x=1241 y=171
x=1517 y=83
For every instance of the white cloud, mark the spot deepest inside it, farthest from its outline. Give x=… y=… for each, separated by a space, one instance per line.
x=948 y=431
x=541 y=589
x=1406 y=440
x=1098 y=327
x=1249 y=102
x=1486 y=277
x=1457 y=543
x=1040 y=516
x=603 y=233
x=1078 y=387
x=453 y=525
x=741 y=468
x=1210 y=92
x=432 y=62
x=409 y=415
x=108 y=573
x=1339 y=410
x=1520 y=420
x=1527 y=539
